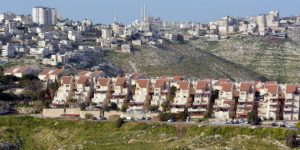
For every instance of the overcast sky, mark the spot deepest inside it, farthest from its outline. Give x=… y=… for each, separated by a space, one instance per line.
x=102 y=11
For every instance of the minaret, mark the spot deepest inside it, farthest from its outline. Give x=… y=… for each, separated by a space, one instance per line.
x=116 y=17
x=145 y=12
x=142 y=13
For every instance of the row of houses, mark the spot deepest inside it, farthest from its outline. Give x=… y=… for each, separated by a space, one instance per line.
x=222 y=98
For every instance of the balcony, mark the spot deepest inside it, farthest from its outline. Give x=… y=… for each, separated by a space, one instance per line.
x=289 y=109
x=273 y=109
x=197 y=109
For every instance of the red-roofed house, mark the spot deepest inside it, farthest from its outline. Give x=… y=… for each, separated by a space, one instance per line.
x=292 y=102
x=84 y=89
x=225 y=101
x=160 y=92
x=246 y=99
x=182 y=96
x=19 y=71
x=48 y=75
x=65 y=91
x=273 y=101
x=102 y=91
x=141 y=94
x=120 y=90
x=203 y=91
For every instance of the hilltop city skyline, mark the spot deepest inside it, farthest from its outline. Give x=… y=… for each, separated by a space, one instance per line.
x=129 y=11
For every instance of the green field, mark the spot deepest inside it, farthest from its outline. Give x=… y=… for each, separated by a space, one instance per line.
x=34 y=133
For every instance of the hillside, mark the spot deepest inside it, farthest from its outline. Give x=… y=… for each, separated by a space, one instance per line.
x=33 y=133
x=275 y=58
x=180 y=59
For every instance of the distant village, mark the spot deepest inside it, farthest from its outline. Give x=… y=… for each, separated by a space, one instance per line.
x=58 y=42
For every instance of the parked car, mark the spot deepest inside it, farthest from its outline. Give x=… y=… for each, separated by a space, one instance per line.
x=273 y=124
x=171 y=120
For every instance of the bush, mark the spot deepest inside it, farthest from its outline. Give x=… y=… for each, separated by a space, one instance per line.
x=166 y=116
x=119 y=122
x=88 y=116
x=124 y=107
x=291 y=140
x=153 y=108
x=113 y=106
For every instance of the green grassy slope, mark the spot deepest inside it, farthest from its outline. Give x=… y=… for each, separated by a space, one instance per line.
x=276 y=59
x=180 y=59
x=34 y=133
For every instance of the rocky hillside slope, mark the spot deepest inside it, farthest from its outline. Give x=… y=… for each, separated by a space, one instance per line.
x=180 y=59
x=277 y=59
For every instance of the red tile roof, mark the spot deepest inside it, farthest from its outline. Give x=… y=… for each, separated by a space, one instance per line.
x=45 y=71
x=96 y=73
x=271 y=82
x=227 y=87
x=184 y=85
x=82 y=80
x=22 y=69
x=120 y=81
x=10 y=70
x=83 y=73
x=66 y=79
x=103 y=81
x=160 y=83
x=246 y=86
x=201 y=85
x=143 y=83
x=57 y=71
x=272 y=88
x=137 y=76
x=178 y=78
x=291 y=88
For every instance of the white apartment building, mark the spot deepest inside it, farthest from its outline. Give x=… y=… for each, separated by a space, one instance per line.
x=44 y=15
x=141 y=94
x=65 y=92
x=246 y=99
x=160 y=92
x=292 y=102
x=183 y=96
x=8 y=50
x=223 y=103
x=203 y=92
x=102 y=91
x=120 y=90
x=84 y=87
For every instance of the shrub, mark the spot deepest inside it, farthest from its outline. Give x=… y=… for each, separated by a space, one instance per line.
x=124 y=107
x=166 y=116
x=119 y=122
x=291 y=140
x=153 y=108
x=88 y=116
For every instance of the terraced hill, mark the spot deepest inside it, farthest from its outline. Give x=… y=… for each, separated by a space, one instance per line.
x=180 y=59
x=275 y=58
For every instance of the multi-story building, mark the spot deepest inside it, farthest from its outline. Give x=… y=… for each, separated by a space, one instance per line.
x=102 y=91
x=120 y=90
x=292 y=102
x=182 y=96
x=273 y=102
x=160 y=92
x=203 y=93
x=48 y=75
x=65 y=92
x=246 y=99
x=225 y=100
x=141 y=94
x=44 y=15
x=84 y=88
